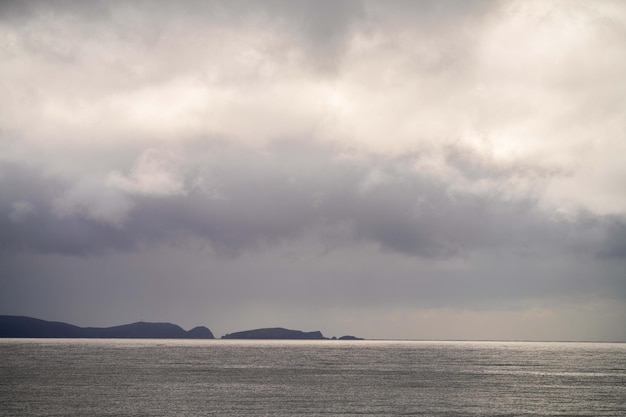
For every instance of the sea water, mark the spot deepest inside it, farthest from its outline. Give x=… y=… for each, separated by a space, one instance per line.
x=47 y=377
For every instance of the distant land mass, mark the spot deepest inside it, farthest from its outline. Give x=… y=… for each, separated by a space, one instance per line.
x=350 y=338
x=275 y=333
x=21 y=327
x=28 y=327
x=279 y=333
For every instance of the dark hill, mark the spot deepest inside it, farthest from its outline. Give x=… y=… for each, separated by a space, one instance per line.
x=200 y=332
x=18 y=326
x=275 y=333
x=139 y=330
x=348 y=337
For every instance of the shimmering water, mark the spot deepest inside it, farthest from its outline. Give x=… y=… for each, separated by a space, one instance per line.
x=312 y=378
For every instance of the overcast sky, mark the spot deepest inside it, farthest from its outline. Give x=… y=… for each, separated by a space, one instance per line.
x=389 y=169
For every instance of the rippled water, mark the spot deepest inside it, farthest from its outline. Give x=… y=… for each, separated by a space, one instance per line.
x=313 y=378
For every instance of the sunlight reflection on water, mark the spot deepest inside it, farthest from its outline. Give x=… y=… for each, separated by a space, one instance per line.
x=282 y=378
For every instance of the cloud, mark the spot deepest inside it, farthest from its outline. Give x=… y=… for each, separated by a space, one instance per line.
x=295 y=189
x=615 y=243
x=21 y=211
x=443 y=154
x=155 y=173
x=385 y=79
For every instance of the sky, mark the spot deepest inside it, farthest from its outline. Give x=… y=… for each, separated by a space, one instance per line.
x=387 y=169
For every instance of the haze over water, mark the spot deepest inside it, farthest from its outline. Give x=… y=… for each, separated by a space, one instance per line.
x=316 y=378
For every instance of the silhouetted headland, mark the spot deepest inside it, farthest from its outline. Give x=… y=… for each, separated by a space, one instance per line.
x=28 y=327
x=19 y=326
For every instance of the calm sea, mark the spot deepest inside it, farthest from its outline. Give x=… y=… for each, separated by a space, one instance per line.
x=309 y=378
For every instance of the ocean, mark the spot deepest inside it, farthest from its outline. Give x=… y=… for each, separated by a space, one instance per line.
x=104 y=377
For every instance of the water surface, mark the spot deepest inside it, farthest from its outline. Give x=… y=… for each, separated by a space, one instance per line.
x=54 y=377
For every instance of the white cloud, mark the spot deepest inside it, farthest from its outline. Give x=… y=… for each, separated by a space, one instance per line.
x=156 y=172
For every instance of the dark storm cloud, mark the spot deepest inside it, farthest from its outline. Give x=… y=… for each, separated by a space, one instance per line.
x=29 y=222
x=238 y=199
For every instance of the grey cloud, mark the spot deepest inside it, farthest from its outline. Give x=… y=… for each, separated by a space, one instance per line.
x=159 y=39
x=440 y=37
x=294 y=234
x=43 y=230
x=289 y=191
x=22 y=9
x=321 y=29
x=298 y=284
x=432 y=19
x=615 y=243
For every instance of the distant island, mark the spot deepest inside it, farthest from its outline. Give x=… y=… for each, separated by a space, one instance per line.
x=275 y=333
x=28 y=327
x=22 y=327
x=278 y=333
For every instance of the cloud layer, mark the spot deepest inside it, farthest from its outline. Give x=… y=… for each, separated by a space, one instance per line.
x=408 y=163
